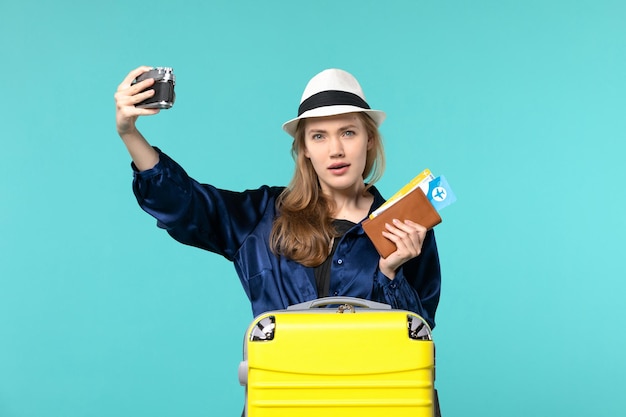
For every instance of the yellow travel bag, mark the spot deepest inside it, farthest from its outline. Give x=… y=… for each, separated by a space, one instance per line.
x=353 y=358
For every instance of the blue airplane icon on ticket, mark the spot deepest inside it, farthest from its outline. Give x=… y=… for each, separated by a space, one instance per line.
x=440 y=194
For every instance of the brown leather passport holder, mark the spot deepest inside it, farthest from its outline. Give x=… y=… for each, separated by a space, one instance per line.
x=413 y=206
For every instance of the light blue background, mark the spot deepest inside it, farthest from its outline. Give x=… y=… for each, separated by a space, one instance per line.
x=521 y=104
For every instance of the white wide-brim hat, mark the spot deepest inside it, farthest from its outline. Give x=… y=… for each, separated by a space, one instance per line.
x=331 y=92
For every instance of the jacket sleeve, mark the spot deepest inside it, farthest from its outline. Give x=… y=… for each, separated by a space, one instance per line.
x=417 y=284
x=199 y=214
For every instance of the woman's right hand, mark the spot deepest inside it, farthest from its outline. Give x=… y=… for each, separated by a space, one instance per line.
x=127 y=95
x=126 y=114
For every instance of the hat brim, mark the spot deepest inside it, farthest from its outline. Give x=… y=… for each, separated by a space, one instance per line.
x=290 y=127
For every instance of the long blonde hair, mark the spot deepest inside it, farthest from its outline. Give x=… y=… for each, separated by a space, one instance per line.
x=303 y=229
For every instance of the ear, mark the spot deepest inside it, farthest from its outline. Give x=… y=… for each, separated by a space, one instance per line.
x=370 y=143
x=306 y=153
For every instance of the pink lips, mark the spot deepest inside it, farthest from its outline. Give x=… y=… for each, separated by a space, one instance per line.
x=339 y=168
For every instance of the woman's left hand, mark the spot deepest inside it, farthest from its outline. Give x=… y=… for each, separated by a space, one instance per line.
x=408 y=237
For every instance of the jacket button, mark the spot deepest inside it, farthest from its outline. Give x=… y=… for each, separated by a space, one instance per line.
x=339 y=261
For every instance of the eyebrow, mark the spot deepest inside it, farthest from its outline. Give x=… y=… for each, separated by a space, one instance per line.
x=342 y=128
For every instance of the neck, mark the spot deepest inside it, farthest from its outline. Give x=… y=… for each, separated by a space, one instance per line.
x=352 y=204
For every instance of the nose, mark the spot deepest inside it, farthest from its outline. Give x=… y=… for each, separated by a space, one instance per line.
x=336 y=148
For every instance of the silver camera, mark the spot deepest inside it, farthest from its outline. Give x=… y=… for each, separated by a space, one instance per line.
x=164 y=81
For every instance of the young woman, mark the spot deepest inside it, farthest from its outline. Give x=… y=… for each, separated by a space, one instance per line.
x=296 y=243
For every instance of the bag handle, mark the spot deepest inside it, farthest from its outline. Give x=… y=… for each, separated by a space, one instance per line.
x=352 y=301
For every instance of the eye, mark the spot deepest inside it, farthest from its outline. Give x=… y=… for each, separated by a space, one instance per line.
x=316 y=136
x=349 y=133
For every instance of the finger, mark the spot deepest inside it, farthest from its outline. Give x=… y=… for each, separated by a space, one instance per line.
x=138 y=98
x=135 y=88
x=396 y=235
x=393 y=230
x=402 y=226
x=417 y=226
x=125 y=100
x=403 y=230
x=140 y=86
x=128 y=81
x=416 y=232
x=409 y=226
x=407 y=242
x=148 y=112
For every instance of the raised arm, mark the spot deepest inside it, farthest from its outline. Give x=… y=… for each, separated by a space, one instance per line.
x=126 y=114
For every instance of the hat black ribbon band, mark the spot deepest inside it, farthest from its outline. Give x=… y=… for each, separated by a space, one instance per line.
x=331 y=98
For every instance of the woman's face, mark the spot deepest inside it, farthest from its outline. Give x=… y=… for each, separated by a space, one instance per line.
x=337 y=148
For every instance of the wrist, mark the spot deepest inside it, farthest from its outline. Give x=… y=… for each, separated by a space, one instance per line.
x=128 y=133
x=386 y=271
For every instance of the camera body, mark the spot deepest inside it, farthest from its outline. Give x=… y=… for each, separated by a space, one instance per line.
x=164 y=82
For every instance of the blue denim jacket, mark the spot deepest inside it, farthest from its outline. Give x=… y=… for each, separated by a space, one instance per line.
x=237 y=225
